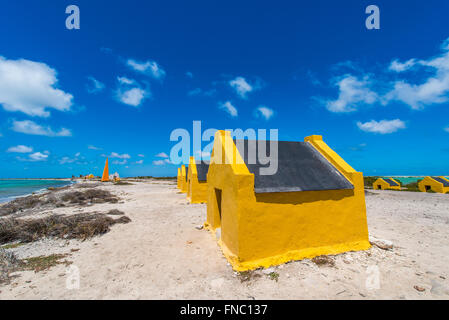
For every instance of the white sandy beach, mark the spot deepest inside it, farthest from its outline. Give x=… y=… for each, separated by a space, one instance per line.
x=162 y=255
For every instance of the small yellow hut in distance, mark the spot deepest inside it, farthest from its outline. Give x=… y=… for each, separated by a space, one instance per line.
x=314 y=204
x=197 y=190
x=184 y=172
x=436 y=184
x=386 y=184
x=179 y=179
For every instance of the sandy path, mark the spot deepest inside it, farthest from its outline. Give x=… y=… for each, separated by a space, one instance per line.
x=161 y=255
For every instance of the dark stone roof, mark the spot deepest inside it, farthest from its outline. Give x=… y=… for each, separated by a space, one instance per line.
x=300 y=168
x=202 y=169
x=443 y=181
x=391 y=182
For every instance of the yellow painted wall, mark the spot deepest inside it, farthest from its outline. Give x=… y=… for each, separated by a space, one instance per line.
x=260 y=230
x=189 y=175
x=385 y=185
x=183 y=179
x=197 y=191
x=178 y=181
x=434 y=185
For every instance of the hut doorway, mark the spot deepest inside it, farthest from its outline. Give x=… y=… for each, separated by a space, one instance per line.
x=379 y=187
x=428 y=188
x=218 y=196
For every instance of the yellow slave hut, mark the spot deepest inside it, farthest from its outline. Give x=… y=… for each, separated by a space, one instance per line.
x=314 y=204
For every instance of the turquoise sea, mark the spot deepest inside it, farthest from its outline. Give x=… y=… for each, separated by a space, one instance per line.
x=405 y=180
x=11 y=188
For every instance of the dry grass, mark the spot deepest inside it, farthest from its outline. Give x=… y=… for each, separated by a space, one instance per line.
x=87 y=185
x=80 y=226
x=24 y=203
x=57 y=200
x=41 y=263
x=324 y=261
x=274 y=276
x=122 y=183
x=13 y=245
x=90 y=195
x=115 y=212
x=245 y=276
x=8 y=264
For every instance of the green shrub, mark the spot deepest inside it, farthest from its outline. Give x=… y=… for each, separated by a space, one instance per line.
x=369 y=181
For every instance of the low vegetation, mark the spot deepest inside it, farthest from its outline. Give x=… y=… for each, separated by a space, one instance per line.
x=41 y=263
x=324 y=261
x=80 y=226
x=274 y=276
x=87 y=185
x=245 y=276
x=413 y=186
x=369 y=181
x=12 y=245
x=90 y=195
x=57 y=200
x=8 y=264
x=122 y=183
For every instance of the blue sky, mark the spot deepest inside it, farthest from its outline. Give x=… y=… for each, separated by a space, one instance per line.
x=137 y=70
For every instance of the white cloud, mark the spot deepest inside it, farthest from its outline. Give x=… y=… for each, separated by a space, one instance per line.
x=429 y=84
x=398 y=66
x=241 y=86
x=162 y=155
x=229 y=108
x=38 y=157
x=265 y=112
x=31 y=87
x=433 y=89
x=91 y=147
x=141 y=155
x=139 y=162
x=30 y=127
x=65 y=160
x=124 y=80
x=94 y=86
x=149 y=67
x=130 y=93
x=189 y=74
x=161 y=162
x=446 y=129
x=120 y=156
x=195 y=92
x=77 y=154
x=20 y=149
x=118 y=162
x=199 y=91
x=352 y=93
x=382 y=127
x=132 y=97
